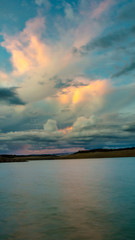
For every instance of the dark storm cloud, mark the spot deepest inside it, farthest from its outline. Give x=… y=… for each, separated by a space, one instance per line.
x=105 y=41
x=103 y=133
x=101 y=140
x=10 y=96
x=130 y=127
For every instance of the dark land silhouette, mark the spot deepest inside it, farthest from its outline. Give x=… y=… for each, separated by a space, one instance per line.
x=94 y=153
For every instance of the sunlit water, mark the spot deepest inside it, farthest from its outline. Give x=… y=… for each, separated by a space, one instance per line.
x=68 y=200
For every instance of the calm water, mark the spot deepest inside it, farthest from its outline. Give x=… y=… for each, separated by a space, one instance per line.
x=68 y=200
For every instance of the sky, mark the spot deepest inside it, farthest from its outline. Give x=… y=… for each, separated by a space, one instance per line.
x=67 y=71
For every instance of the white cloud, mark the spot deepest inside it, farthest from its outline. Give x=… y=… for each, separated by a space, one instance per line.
x=46 y=3
x=69 y=11
x=39 y=2
x=50 y=126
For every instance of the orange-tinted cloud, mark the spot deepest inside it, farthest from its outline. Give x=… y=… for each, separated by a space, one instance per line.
x=80 y=94
x=66 y=130
x=27 y=50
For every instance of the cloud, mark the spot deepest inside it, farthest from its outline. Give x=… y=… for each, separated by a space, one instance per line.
x=10 y=96
x=83 y=123
x=89 y=92
x=99 y=132
x=104 y=42
x=85 y=133
x=26 y=48
x=119 y=99
x=69 y=11
x=50 y=125
x=101 y=8
x=84 y=99
x=130 y=127
x=46 y=3
x=6 y=79
x=36 y=58
x=127 y=12
x=35 y=61
x=39 y=2
x=125 y=70
x=61 y=83
x=68 y=97
x=34 y=135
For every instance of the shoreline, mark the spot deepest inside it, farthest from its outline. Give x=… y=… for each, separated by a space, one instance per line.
x=95 y=153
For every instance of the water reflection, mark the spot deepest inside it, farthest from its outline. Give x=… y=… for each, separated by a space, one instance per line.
x=82 y=204
x=70 y=200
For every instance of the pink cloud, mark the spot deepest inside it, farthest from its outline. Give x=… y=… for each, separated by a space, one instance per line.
x=26 y=150
x=101 y=8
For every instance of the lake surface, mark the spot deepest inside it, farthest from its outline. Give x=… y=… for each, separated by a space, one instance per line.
x=84 y=199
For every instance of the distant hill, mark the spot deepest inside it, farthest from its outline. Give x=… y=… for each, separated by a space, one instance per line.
x=26 y=158
x=94 y=153
x=103 y=153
